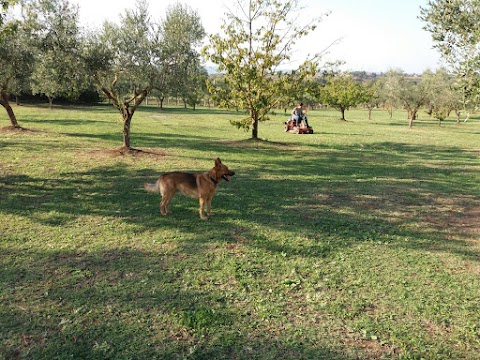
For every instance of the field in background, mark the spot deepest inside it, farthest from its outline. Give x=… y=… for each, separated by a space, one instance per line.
x=360 y=241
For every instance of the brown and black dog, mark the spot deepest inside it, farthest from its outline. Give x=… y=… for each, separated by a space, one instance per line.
x=201 y=185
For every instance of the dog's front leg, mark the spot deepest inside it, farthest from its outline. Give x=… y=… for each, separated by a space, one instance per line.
x=201 y=210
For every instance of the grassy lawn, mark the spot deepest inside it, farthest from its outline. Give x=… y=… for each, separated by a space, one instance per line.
x=361 y=241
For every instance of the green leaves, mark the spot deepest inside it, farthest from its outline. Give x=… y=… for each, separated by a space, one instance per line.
x=342 y=92
x=257 y=41
x=453 y=25
x=131 y=59
x=55 y=31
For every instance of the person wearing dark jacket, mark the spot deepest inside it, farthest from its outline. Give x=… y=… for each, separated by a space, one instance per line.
x=297 y=113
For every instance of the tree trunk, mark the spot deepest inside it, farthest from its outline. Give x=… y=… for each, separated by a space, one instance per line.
x=50 y=102
x=369 y=114
x=342 y=110
x=430 y=110
x=127 y=120
x=254 y=118
x=6 y=104
x=126 y=108
x=411 y=116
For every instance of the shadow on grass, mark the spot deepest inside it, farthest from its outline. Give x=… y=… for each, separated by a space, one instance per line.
x=127 y=303
x=190 y=142
x=67 y=122
x=332 y=197
x=169 y=302
x=109 y=108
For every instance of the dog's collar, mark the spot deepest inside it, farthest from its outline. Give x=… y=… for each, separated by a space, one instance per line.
x=213 y=180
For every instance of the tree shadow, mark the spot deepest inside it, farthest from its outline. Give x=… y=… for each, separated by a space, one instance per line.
x=334 y=197
x=126 y=303
x=122 y=302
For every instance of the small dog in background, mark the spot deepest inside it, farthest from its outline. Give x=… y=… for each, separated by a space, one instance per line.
x=200 y=185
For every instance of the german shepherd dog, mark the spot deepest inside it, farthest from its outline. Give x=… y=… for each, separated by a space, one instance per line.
x=201 y=185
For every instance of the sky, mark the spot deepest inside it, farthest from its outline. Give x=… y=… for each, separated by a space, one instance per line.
x=368 y=35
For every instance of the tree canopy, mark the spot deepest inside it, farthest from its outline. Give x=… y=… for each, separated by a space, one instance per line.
x=342 y=92
x=455 y=32
x=16 y=59
x=128 y=60
x=4 y=5
x=258 y=38
x=57 y=68
x=181 y=32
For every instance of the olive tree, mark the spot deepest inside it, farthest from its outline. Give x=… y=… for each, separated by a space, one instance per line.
x=412 y=93
x=258 y=37
x=127 y=61
x=16 y=59
x=197 y=88
x=389 y=85
x=4 y=5
x=371 y=96
x=456 y=34
x=181 y=32
x=443 y=98
x=57 y=67
x=342 y=92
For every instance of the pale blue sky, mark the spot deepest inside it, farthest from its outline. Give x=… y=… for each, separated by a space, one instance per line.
x=376 y=35
x=380 y=34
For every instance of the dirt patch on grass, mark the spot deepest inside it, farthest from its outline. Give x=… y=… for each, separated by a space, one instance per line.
x=3 y=169
x=373 y=349
x=122 y=152
x=460 y=216
x=19 y=130
x=457 y=215
x=468 y=221
x=258 y=144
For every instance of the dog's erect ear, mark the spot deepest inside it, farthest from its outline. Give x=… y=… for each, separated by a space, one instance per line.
x=218 y=162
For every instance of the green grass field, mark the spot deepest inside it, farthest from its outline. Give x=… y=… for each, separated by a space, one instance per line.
x=361 y=241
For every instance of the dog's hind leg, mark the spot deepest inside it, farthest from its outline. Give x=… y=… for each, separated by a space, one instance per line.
x=163 y=206
x=202 y=208
x=166 y=197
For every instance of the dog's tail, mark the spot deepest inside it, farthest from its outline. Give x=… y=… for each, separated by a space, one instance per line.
x=155 y=188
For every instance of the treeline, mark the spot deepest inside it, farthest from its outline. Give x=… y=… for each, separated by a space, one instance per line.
x=441 y=93
x=45 y=52
x=438 y=91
